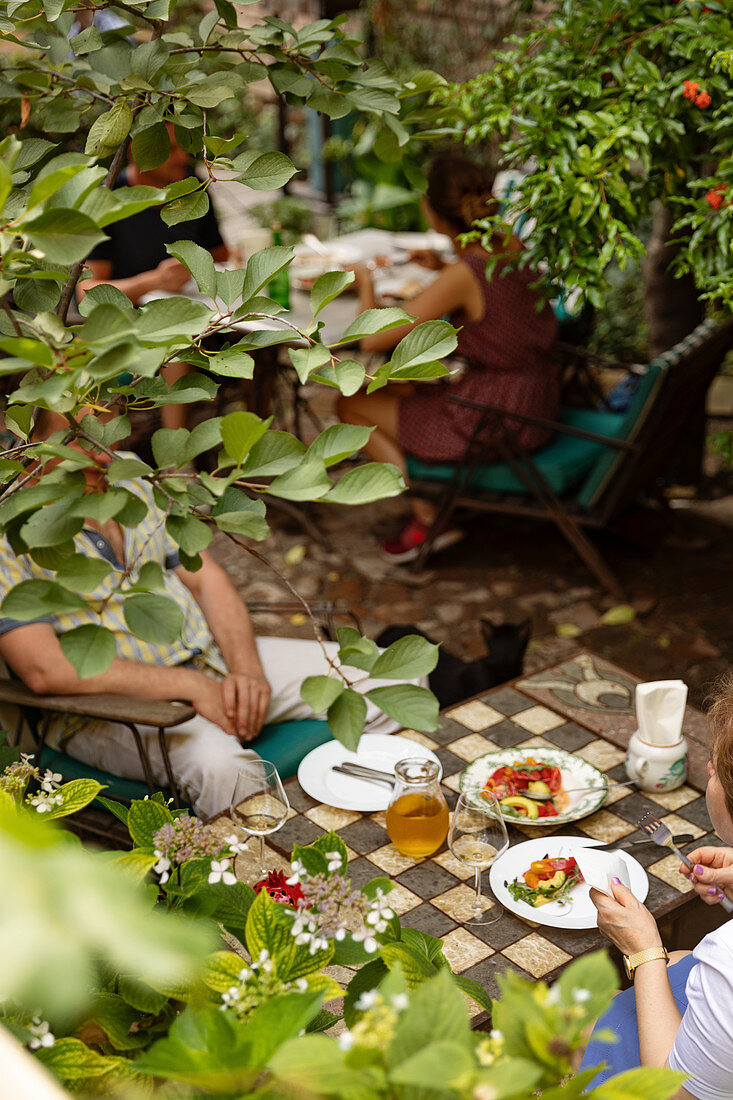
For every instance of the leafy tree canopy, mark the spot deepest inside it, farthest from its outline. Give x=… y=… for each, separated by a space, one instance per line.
x=76 y=105
x=611 y=106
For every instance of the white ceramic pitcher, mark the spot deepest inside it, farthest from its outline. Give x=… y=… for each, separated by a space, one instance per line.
x=656 y=767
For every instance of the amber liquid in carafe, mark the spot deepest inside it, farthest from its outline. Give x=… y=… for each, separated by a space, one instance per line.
x=417 y=823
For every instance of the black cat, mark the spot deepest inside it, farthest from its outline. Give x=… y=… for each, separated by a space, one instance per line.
x=453 y=679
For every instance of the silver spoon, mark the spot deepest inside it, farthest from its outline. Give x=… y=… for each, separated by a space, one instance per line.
x=539 y=796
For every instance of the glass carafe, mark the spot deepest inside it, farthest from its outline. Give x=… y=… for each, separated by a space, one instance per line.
x=417 y=815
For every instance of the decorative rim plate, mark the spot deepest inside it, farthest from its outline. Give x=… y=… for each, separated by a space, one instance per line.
x=376 y=750
x=576 y=772
x=581 y=913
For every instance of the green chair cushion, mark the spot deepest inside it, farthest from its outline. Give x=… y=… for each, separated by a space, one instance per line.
x=285 y=744
x=564 y=461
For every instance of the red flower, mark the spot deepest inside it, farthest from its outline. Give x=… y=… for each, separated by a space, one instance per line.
x=703 y=100
x=691 y=88
x=715 y=196
x=278 y=888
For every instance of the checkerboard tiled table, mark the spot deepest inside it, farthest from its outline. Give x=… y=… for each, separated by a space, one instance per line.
x=584 y=706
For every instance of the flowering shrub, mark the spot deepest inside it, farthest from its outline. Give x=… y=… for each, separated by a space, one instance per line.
x=22 y=782
x=253 y=1019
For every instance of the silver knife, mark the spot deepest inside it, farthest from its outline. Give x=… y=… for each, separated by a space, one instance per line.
x=358 y=771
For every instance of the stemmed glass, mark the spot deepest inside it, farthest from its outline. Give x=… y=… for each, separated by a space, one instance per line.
x=259 y=803
x=477 y=836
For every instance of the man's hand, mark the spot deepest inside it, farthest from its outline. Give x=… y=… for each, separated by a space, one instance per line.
x=713 y=868
x=624 y=920
x=246 y=697
x=206 y=699
x=171 y=274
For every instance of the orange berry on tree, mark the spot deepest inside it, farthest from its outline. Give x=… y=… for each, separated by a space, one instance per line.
x=715 y=196
x=703 y=100
x=691 y=88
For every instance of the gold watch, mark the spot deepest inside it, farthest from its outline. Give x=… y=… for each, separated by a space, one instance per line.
x=648 y=955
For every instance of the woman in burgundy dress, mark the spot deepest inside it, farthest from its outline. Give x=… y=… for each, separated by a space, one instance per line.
x=505 y=340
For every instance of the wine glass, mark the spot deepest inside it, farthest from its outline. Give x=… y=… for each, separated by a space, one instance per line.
x=477 y=836
x=259 y=803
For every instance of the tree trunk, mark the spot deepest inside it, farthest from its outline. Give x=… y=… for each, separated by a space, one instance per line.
x=672 y=305
x=673 y=310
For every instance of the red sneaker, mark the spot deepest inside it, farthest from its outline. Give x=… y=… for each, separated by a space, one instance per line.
x=406 y=546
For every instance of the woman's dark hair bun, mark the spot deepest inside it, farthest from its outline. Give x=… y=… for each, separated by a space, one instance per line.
x=460 y=191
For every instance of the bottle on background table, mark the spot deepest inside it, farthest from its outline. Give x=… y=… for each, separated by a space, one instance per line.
x=279 y=286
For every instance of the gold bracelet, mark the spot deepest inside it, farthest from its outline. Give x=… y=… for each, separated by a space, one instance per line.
x=631 y=962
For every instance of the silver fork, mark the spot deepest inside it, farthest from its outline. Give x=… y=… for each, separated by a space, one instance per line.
x=657 y=831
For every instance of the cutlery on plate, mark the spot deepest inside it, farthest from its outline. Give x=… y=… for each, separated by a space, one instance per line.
x=623 y=845
x=539 y=796
x=658 y=832
x=371 y=775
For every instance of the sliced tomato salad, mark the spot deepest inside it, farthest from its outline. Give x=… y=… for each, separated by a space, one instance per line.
x=510 y=781
x=546 y=880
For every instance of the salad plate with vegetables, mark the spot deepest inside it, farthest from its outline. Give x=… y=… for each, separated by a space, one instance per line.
x=540 y=880
x=566 y=787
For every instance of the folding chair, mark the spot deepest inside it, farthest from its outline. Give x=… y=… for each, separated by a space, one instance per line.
x=597 y=462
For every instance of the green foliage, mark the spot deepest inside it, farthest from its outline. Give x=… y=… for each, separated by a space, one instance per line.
x=136 y=1007
x=594 y=100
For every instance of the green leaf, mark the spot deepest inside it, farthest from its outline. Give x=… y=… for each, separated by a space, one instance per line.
x=70 y=1059
x=308 y=481
x=339 y=441
x=170 y=447
x=155 y=619
x=266 y=172
x=262 y=266
x=75 y=794
x=140 y=995
x=187 y=208
x=274 y=453
x=439 y=1067
x=306 y=360
x=124 y=469
x=64 y=236
x=406 y=659
x=427 y=342
x=327 y=287
x=346 y=717
x=232 y=363
x=375 y=320
x=361 y=653
x=239 y=514
x=191 y=534
x=346 y=375
x=474 y=990
x=144 y=820
x=436 y=1012
x=313 y=1065
x=151 y=147
x=320 y=691
x=648 y=1081
x=198 y=261
x=408 y=704
x=222 y=970
x=116 y=1019
x=239 y=432
x=91 y=649
x=87 y=41
x=33 y=599
x=616 y=616
x=364 y=484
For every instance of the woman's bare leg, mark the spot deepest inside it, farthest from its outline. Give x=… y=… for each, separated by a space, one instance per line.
x=381 y=410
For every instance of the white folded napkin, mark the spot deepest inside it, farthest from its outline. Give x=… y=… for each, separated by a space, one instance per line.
x=660 y=709
x=598 y=868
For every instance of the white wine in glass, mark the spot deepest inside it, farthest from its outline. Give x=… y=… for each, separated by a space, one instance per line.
x=477 y=836
x=259 y=803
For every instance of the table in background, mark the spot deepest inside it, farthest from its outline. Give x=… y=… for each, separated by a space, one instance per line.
x=584 y=705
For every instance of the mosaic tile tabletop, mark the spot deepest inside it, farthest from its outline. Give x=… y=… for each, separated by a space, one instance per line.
x=435 y=894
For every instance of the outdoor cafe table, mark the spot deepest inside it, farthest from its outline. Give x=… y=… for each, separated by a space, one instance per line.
x=584 y=705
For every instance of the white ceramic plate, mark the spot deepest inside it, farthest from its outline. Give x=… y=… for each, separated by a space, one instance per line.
x=575 y=771
x=581 y=912
x=376 y=750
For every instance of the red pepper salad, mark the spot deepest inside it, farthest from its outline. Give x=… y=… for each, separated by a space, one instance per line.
x=546 y=880
x=509 y=783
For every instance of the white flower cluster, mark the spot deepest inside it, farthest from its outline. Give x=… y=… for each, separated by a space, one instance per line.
x=257 y=983
x=163 y=866
x=220 y=872
x=376 y=1026
x=42 y=1034
x=332 y=909
x=49 y=794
